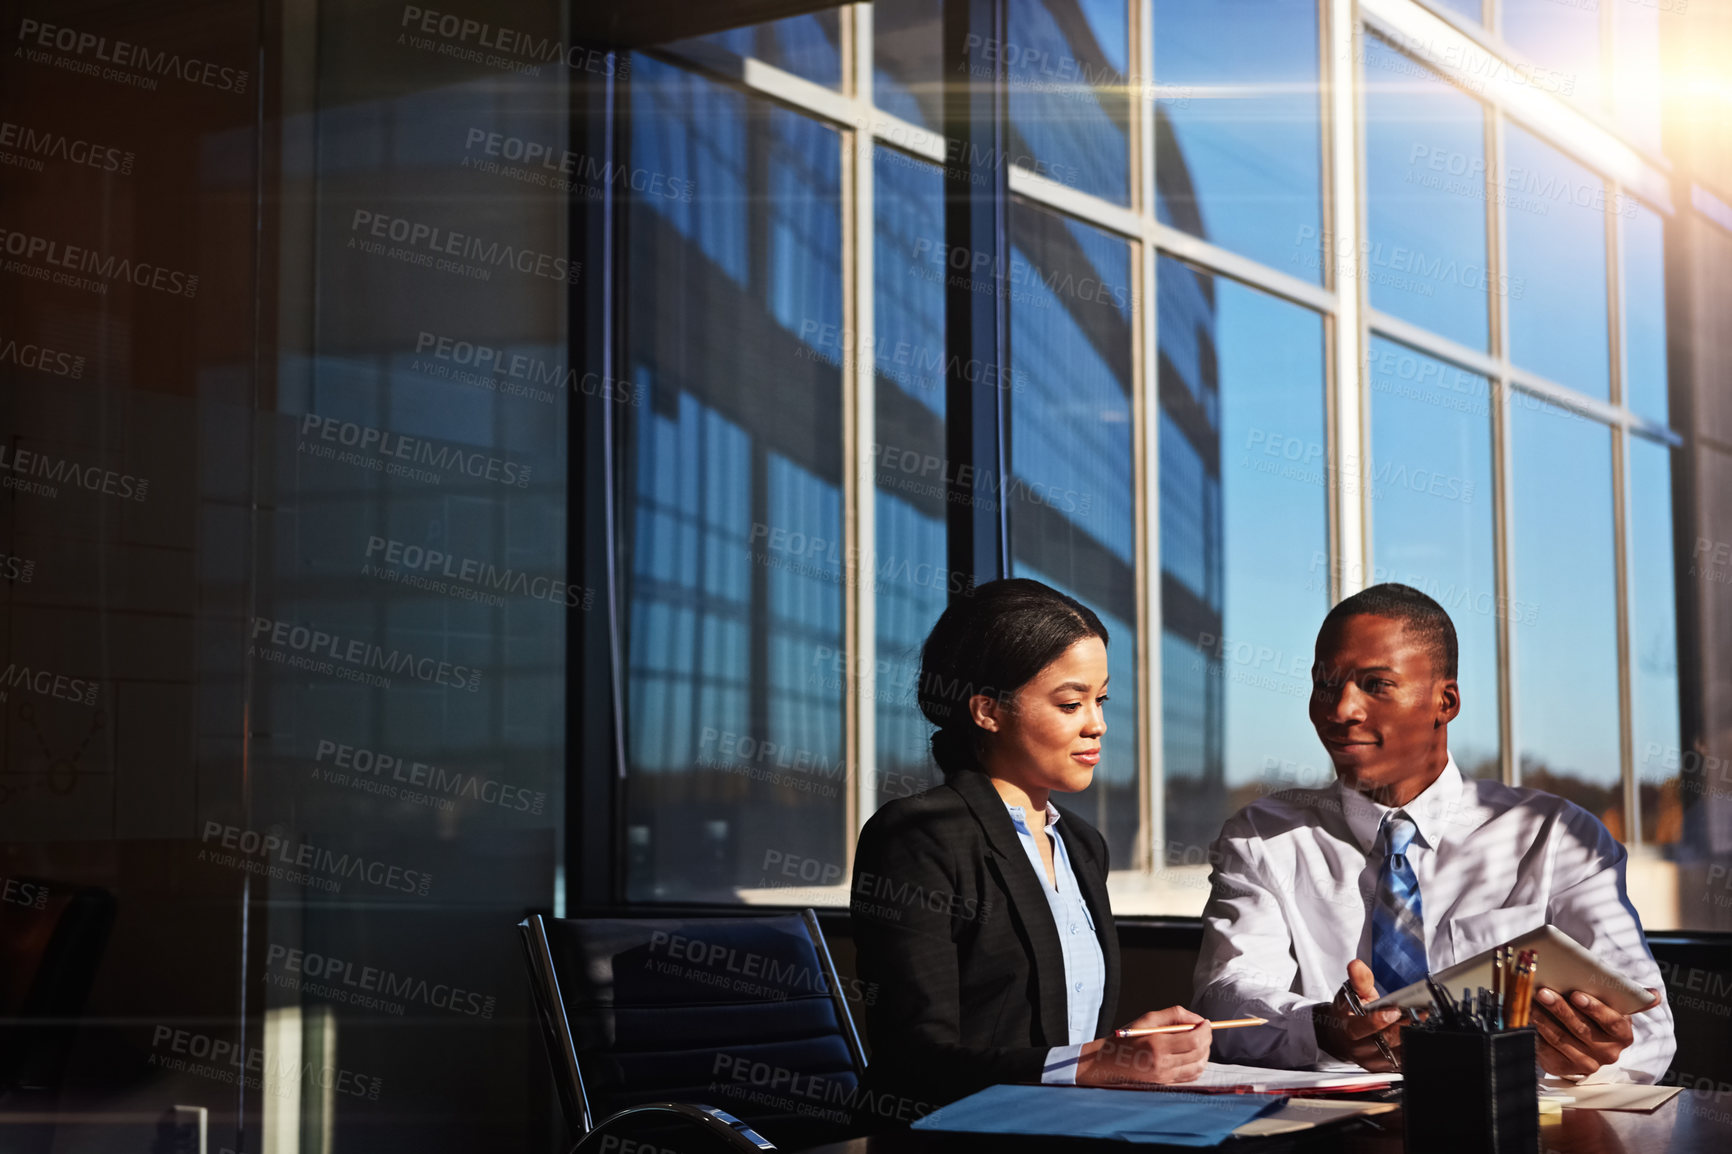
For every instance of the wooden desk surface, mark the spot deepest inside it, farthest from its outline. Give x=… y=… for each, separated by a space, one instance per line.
x=1694 y=1122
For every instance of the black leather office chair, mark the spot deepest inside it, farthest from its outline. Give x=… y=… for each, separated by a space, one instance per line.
x=738 y=1019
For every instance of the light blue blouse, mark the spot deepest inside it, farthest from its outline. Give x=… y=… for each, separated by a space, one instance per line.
x=1085 y=968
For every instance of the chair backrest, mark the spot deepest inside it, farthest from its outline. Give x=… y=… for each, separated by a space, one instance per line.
x=52 y=938
x=740 y=1013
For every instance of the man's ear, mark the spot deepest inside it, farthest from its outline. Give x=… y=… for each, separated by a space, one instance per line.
x=1448 y=701
x=986 y=711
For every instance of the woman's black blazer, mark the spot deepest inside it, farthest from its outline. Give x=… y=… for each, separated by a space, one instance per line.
x=963 y=974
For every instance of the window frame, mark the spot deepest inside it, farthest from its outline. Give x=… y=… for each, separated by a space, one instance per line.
x=1414 y=29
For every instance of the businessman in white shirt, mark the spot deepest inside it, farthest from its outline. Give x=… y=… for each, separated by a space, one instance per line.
x=1403 y=867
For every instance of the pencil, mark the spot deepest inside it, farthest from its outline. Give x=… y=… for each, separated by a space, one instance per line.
x=1229 y=1024
x=1524 y=989
x=1515 y=994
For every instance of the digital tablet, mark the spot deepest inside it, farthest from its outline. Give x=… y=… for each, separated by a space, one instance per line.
x=1564 y=965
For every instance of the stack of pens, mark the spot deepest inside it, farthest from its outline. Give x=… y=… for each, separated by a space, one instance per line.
x=1508 y=1005
x=1471 y=1080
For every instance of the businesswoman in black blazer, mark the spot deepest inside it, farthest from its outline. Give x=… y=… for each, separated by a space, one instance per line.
x=987 y=940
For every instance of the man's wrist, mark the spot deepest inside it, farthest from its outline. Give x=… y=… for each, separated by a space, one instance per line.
x=1324 y=1027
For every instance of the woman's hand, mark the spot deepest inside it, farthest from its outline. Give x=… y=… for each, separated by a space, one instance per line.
x=1162 y=1058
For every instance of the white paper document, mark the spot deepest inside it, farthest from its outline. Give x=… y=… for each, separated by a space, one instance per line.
x=1221 y=1075
x=1619 y=1096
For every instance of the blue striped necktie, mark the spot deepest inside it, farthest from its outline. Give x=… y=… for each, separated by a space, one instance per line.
x=1397 y=921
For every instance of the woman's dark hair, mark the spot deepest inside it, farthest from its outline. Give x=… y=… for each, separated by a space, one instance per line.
x=992 y=642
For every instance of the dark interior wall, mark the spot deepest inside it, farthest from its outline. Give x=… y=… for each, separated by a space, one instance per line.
x=1699 y=291
x=1698 y=137
x=127 y=328
x=306 y=792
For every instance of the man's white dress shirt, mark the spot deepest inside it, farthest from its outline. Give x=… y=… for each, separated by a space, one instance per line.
x=1295 y=877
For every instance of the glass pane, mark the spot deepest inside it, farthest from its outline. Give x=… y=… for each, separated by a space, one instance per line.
x=1566 y=661
x=1072 y=506
x=1654 y=643
x=404 y=678
x=734 y=527
x=1432 y=511
x=1638 y=82
x=913 y=582
x=1238 y=146
x=1645 y=312
x=1425 y=185
x=1555 y=211
x=1562 y=37
x=1244 y=550
x=808 y=46
x=285 y=597
x=907 y=73
x=1469 y=9
x=1069 y=101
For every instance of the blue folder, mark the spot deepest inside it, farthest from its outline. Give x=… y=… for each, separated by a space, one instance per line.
x=1177 y=1119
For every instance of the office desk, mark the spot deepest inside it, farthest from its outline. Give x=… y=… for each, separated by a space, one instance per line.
x=1695 y=1122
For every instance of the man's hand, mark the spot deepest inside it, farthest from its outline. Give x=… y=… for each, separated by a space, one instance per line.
x=1352 y=1038
x=1162 y=1058
x=1580 y=1034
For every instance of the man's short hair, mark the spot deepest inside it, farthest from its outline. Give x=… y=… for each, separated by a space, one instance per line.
x=1424 y=618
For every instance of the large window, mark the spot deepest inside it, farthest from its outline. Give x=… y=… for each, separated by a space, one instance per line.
x=1653 y=658
x=1555 y=225
x=912 y=582
x=1433 y=521
x=1425 y=150
x=1244 y=545
x=1295 y=308
x=735 y=549
x=1071 y=491
x=1069 y=103
x=1239 y=155
x=1563 y=563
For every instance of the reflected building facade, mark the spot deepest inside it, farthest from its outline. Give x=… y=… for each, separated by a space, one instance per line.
x=1194 y=715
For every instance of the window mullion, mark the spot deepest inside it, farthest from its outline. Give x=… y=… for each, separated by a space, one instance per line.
x=1343 y=201
x=976 y=324
x=1145 y=409
x=859 y=432
x=1619 y=394
x=1497 y=260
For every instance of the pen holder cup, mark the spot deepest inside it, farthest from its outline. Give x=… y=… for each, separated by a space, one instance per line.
x=1469 y=1090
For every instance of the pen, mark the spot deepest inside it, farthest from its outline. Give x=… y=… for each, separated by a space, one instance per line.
x=1227 y=1024
x=1497 y=990
x=1445 y=1009
x=1358 y=1007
